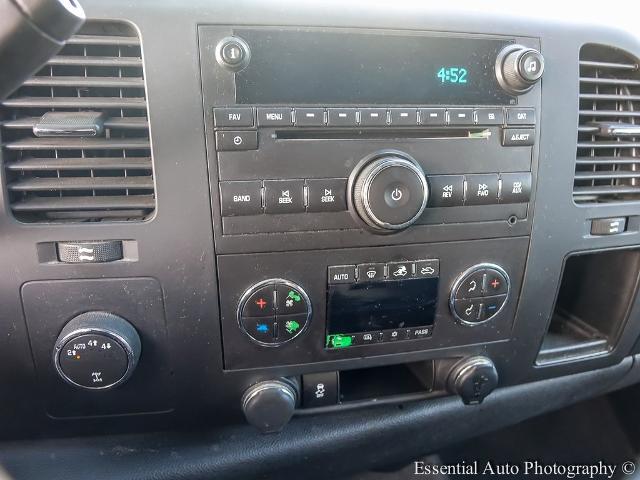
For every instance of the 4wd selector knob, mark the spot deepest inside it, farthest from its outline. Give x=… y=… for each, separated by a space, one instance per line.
x=390 y=192
x=518 y=68
x=97 y=351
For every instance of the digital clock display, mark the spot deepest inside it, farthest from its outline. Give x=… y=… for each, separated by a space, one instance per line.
x=453 y=75
x=338 y=67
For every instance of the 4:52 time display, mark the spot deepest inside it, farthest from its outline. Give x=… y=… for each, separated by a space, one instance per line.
x=453 y=75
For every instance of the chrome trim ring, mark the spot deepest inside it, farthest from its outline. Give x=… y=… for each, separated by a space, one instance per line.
x=362 y=188
x=460 y=278
x=272 y=281
x=131 y=358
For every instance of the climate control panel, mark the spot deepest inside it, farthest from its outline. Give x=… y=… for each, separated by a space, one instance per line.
x=274 y=311
x=479 y=294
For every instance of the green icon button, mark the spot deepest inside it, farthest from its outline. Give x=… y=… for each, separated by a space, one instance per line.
x=291 y=326
x=339 y=341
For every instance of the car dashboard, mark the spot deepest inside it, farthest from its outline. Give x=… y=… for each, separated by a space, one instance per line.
x=238 y=231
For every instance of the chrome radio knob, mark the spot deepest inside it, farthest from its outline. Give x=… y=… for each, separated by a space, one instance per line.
x=518 y=68
x=390 y=192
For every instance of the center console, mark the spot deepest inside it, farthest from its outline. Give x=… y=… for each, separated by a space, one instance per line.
x=372 y=198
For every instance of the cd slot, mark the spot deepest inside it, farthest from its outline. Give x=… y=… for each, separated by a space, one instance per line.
x=383 y=134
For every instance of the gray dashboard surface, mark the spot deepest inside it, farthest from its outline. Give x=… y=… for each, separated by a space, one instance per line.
x=320 y=447
x=177 y=249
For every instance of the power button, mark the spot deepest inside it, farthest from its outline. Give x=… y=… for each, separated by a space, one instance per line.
x=236 y=140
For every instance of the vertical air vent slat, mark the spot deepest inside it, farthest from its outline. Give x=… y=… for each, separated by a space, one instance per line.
x=608 y=153
x=73 y=176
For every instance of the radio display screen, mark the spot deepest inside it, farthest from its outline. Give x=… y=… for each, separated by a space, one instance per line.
x=376 y=306
x=320 y=67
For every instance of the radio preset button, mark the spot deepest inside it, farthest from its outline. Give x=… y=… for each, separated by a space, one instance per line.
x=326 y=194
x=516 y=187
x=482 y=189
x=341 y=117
x=489 y=116
x=241 y=198
x=446 y=190
x=518 y=137
x=228 y=140
x=309 y=117
x=433 y=116
x=461 y=116
x=274 y=117
x=342 y=274
x=370 y=272
x=427 y=268
x=284 y=196
x=233 y=117
x=404 y=117
x=521 y=116
x=373 y=117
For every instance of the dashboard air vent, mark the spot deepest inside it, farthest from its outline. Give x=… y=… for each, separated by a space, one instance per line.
x=75 y=137
x=608 y=153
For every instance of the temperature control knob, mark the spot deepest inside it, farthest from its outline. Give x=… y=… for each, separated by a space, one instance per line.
x=97 y=351
x=390 y=192
x=518 y=68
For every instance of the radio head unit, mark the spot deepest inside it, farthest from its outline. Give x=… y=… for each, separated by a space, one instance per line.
x=370 y=189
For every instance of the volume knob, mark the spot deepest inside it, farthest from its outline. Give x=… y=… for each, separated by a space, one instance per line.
x=390 y=192
x=518 y=68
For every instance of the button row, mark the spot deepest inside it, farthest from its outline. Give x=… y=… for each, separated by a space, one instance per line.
x=254 y=197
x=378 y=336
x=480 y=189
x=370 y=272
x=481 y=283
x=372 y=116
x=274 y=330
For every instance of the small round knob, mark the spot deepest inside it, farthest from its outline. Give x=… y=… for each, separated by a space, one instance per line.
x=233 y=53
x=390 y=192
x=269 y=405
x=518 y=68
x=473 y=379
x=97 y=351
